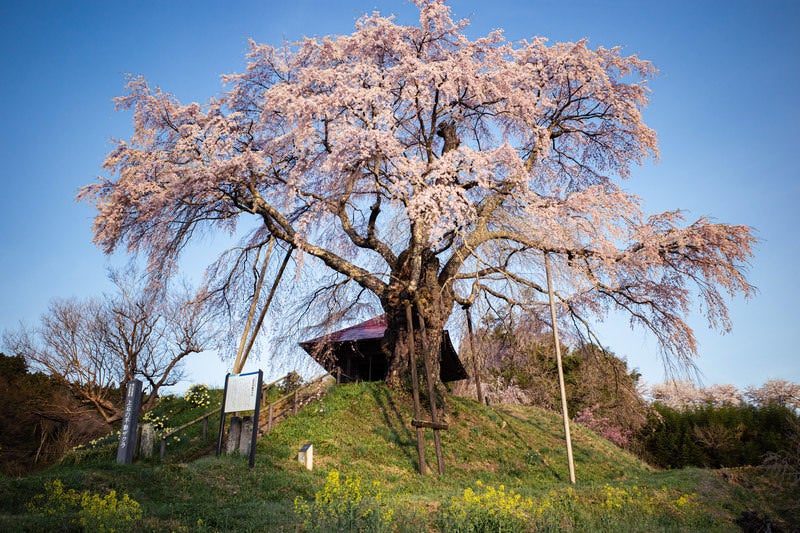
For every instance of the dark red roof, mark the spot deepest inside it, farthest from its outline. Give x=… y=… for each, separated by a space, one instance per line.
x=374 y=328
x=362 y=342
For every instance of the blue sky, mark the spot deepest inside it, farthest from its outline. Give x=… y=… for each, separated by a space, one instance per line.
x=724 y=106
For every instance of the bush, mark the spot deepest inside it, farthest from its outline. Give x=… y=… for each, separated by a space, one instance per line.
x=489 y=509
x=292 y=382
x=89 y=510
x=160 y=423
x=198 y=396
x=606 y=508
x=345 y=506
x=603 y=426
x=97 y=450
x=717 y=436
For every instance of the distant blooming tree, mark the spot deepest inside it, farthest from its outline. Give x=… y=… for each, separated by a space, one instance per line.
x=418 y=165
x=775 y=392
x=725 y=394
x=683 y=394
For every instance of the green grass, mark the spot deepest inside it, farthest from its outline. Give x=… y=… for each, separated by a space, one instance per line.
x=363 y=430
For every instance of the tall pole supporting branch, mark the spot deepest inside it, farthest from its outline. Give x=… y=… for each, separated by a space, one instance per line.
x=412 y=360
x=475 y=367
x=241 y=357
x=560 y=368
x=238 y=363
x=431 y=396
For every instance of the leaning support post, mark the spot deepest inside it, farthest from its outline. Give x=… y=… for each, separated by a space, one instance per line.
x=239 y=364
x=412 y=361
x=476 y=374
x=560 y=369
x=432 y=396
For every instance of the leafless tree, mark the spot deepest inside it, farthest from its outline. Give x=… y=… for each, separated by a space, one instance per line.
x=96 y=345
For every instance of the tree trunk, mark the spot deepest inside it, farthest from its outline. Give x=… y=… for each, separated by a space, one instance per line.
x=433 y=302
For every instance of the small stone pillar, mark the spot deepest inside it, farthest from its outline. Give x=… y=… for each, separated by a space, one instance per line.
x=306 y=456
x=146 y=441
x=245 y=435
x=234 y=434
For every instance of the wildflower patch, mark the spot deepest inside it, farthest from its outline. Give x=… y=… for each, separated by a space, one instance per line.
x=345 y=505
x=91 y=511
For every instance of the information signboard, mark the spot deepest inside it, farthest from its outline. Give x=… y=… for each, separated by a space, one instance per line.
x=241 y=392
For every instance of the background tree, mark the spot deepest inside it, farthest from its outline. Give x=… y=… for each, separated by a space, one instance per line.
x=421 y=166
x=68 y=345
x=776 y=392
x=678 y=394
x=714 y=427
x=148 y=335
x=94 y=346
x=520 y=367
x=40 y=419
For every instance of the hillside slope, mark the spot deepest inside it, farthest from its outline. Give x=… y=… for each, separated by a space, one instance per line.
x=356 y=424
x=362 y=432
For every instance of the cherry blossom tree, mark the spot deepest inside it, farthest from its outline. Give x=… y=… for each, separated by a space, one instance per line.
x=775 y=392
x=419 y=165
x=684 y=394
x=723 y=394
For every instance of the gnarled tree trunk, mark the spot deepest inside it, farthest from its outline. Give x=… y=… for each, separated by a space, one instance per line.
x=433 y=301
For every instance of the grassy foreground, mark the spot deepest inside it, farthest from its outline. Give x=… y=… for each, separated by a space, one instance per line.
x=505 y=470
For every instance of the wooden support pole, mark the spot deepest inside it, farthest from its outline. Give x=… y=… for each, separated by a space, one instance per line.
x=238 y=363
x=415 y=388
x=432 y=395
x=242 y=357
x=560 y=369
x=476 y=374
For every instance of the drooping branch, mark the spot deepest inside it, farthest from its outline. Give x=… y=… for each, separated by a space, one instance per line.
x=415 y=161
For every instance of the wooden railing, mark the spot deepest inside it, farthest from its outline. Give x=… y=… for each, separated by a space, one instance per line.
x=276 y=410
x=287 y=405
x=204 y=418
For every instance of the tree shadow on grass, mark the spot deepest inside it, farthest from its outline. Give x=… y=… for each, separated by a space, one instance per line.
x=398 y=430
x=532 y=455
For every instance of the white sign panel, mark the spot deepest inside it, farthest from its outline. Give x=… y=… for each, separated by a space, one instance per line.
x=242 y=392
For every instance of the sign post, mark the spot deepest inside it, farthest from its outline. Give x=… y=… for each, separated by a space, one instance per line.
x=242 y=393
x=130 y=422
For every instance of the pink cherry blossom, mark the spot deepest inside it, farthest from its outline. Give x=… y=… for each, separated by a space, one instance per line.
x=418 y=163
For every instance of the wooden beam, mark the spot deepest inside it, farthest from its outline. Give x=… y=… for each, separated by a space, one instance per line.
x=427 y=424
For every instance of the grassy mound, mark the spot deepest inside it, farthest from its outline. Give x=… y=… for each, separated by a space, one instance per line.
x=505 y=469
